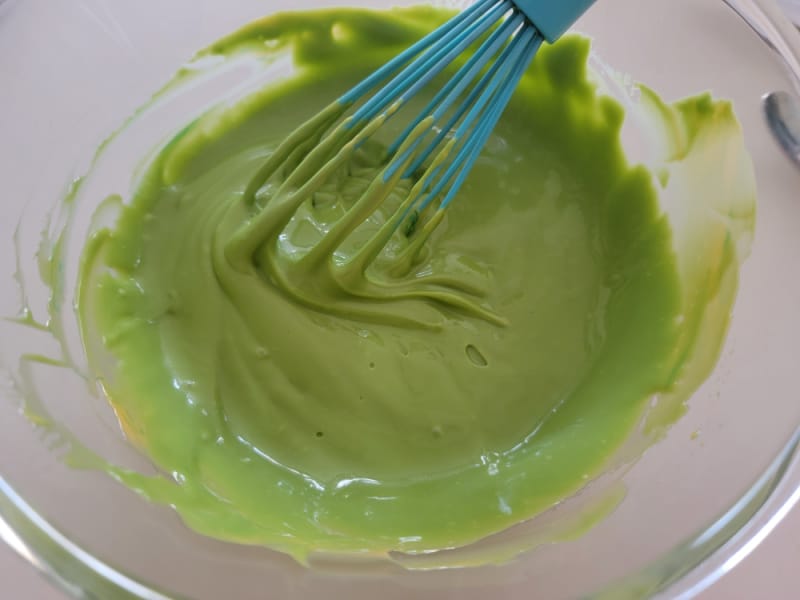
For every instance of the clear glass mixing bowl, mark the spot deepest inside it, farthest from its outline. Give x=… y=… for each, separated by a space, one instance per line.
x=694 y=505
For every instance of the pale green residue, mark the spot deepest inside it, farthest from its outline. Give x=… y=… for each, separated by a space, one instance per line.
x=710 y=203
x=312 y=392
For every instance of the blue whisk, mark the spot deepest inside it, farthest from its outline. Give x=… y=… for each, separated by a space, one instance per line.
x=441 y=143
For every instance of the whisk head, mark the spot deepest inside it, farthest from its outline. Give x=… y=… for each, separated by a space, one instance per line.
x=487 y=48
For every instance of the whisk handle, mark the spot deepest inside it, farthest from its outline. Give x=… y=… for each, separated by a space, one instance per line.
x=553 y=17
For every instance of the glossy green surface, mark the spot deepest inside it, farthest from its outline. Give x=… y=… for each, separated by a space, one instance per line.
x=307 y=401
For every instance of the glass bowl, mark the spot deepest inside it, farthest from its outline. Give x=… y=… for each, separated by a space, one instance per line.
x=684 y=514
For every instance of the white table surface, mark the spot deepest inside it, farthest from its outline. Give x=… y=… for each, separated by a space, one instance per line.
x=772 y=572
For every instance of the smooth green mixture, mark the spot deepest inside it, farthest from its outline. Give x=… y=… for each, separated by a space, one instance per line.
x=305 y=398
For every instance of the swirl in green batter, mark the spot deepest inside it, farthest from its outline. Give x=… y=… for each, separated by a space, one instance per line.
x=347 y=407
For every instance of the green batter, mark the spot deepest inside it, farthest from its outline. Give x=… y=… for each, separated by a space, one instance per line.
x=312 y=393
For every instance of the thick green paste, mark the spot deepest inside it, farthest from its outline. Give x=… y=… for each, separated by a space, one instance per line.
x=304 y=403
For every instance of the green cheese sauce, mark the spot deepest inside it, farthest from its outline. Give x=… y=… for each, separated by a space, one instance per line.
x=310 y=393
